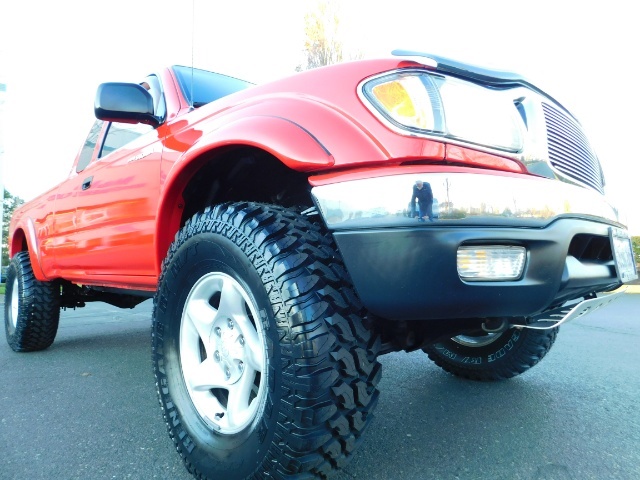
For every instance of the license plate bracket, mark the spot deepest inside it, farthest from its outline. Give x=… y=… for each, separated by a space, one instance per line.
x=623 y=254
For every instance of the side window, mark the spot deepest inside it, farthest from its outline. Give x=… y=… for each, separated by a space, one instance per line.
x=120 y=134
x=89 y=146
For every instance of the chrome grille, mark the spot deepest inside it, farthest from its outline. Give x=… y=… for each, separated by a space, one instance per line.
x=569 y=151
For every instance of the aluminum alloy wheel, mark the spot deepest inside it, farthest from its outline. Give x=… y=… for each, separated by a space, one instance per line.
x=222 y=353
x=476 y=342
x=14 y=303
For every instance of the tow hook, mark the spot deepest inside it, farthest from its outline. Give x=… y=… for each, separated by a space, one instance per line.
x=555 y=317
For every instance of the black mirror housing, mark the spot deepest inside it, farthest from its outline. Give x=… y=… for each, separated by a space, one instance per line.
x=125 y=103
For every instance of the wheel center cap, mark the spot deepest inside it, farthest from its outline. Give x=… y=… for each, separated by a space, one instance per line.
x=230 y=361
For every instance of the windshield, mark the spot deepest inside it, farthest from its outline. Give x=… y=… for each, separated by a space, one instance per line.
x=207 y=86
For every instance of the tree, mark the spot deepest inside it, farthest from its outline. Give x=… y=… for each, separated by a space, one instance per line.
x=9 y=204
x=324 y=42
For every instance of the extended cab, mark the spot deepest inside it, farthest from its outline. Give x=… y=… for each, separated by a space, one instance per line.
x=292 y=232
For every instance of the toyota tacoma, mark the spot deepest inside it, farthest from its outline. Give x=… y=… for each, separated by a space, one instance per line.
x=290 y=233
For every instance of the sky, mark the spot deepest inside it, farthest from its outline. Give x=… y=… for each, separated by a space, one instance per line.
x=54 y=54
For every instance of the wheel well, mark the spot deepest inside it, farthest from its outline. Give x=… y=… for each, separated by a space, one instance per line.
x=234 y=174
x=244 y=174
x=18 y=242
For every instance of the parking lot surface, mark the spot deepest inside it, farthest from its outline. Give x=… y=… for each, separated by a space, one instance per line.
x=87 y=408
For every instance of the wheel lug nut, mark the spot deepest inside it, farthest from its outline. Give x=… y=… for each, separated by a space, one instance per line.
x=241 y=340
x=227 y=372
x=230 y=323
x=241 y=367
x=216 y=356
x=218 y=331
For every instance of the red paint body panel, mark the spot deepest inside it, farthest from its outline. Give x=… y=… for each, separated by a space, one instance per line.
x=361 y=173
x=116 y=232
x=458 y=154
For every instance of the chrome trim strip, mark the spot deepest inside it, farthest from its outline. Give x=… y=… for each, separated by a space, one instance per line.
x=461 y=198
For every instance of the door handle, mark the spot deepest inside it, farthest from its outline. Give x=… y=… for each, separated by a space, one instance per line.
x=87 y=182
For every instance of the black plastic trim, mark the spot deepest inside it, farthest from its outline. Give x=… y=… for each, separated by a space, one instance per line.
x=124 y=102
x=485 y=76
x=411 y=273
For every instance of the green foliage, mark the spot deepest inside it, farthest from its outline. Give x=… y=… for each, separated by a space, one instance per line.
x=636 y=249
x=9 y=204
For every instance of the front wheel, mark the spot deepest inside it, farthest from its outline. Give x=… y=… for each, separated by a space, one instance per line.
x=263 y=364
x=492 y=356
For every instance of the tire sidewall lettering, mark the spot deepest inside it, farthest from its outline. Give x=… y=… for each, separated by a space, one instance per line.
x=487 y=354
x=502 y=351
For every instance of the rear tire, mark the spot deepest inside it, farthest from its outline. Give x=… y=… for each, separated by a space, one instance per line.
x=31 y=309
x=491 y=357
x=263 y=364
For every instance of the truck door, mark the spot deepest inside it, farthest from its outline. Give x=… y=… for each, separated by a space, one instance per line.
x=111 y=206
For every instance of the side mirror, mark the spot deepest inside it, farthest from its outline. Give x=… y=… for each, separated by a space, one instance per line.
x=125 y=103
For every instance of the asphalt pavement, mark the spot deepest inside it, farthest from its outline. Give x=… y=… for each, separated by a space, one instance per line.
x=87 y=408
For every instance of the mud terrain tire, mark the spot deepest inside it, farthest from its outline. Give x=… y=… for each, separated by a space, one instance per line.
x=31 y=309
x=492 y=357
x=263 y=365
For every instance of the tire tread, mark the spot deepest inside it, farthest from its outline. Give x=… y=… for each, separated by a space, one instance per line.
x=527 y=353
x=39 y=308
x=331 y=372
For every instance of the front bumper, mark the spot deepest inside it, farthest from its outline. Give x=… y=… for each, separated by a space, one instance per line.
x=406 y=270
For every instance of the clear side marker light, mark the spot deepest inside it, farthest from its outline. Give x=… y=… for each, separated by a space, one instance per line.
x=492 y=263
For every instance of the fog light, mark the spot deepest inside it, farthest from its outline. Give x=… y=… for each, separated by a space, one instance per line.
x=491 y=262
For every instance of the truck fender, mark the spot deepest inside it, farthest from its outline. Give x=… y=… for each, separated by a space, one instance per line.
x=28 y=234
x=291 y=143
x=285 y=139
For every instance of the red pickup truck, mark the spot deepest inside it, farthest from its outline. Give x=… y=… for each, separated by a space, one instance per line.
x=292 y=232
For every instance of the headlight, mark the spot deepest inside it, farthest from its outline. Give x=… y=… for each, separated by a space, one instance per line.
x=406 y=99
x=423 y=103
